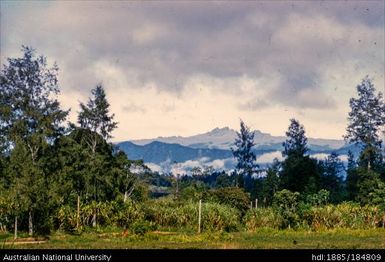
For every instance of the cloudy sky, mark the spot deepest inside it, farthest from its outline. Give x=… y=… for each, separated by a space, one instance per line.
x=182 y=68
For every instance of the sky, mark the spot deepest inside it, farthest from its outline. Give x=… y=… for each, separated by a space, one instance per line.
x=183 y=68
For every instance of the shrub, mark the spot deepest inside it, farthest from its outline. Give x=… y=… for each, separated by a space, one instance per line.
x=286 y=204
x=107 y=213
x=345 y=215
x=318 y=199
x=262 y=217
x=215 y=217
x=141 y=227
x=66 y=218
x=231 y=196
x=127 y=213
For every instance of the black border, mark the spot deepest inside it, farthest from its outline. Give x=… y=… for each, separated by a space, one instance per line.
x=327 y=255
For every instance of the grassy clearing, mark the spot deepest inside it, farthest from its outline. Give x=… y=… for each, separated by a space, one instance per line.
x=262 y=238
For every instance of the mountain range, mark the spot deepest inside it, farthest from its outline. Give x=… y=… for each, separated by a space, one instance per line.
x=216 y=145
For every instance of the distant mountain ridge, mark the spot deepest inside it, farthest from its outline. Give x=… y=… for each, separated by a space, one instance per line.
x=158 y=152
x=223 y=138
x=215 y=145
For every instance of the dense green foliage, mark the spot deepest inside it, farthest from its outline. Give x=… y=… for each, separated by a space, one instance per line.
x=345 y=215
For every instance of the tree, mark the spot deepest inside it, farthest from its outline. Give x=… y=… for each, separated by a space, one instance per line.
x=30 y=119
x=366 y=117
x=287 y=203
x=362 y=184
x=71 y=159
x=232 y=196
x=296 y=142
x=351 y=177
x=94 y=117
x=331 y=179
x=368 y=182
x=299 y=172
x=246 y=165
x=224 y=180
x=271 y=181
x=124 y=171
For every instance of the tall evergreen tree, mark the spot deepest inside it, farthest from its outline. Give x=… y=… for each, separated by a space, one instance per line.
x=296 y=142
x=94 y=117
x=366 y=117
x=30 y=119
x=299 y=173
x=246 y=158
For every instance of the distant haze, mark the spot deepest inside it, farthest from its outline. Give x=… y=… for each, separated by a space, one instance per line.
x=223 y=138
x=183 y=68
x=181 y=154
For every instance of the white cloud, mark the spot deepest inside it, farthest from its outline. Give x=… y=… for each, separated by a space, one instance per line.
x=269 y=157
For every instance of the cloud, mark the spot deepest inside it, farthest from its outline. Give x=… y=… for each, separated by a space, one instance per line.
x=269 y=157
x=187 y=166
x=269 y=57
x=227 y=164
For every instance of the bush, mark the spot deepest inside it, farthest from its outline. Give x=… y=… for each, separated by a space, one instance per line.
x=231 y=196
x=345 y=215
x=142 y=227
x=107 y=213
x=215 y=217
x=319 y=199
x=66 y=218
x=125 y=214
x=262 y=217
x=286 y=204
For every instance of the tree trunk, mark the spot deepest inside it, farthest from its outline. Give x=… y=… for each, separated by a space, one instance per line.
x=78 y=213
x=94 y=219
x=15 y=229
x=125 y=196
x=128 y=194
x=30 y=223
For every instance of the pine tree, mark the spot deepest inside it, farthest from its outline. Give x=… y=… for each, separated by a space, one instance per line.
x=366 y=117
x=246 y=158
x=299 y=173
x=95 y=119
x=30 y=119
x=296 y=142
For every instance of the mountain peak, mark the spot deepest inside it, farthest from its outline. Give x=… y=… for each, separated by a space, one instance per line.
x=220 y=131
x=223 y=138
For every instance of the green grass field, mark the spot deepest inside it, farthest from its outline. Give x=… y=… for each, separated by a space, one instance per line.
x=262 y=239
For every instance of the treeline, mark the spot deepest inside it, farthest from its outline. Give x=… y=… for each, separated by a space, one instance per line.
x=57 y=175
